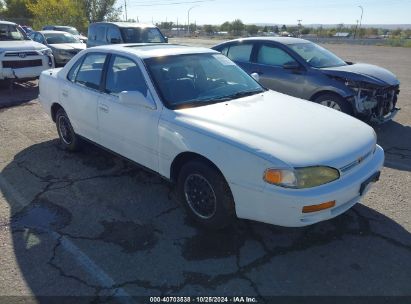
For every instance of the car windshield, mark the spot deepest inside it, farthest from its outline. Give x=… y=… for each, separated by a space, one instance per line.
x=317 y=56
x=199 y=79
x=70 y=30
x=141 y=35
x=56 y=38
x=10 y=32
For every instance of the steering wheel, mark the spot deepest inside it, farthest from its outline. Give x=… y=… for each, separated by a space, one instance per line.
x=220 y=81
x=313 y=59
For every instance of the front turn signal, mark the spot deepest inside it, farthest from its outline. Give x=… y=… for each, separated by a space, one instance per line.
x=314 y=208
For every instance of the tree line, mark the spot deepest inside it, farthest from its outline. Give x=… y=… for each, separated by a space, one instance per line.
x=238 y=28
x=77 y=13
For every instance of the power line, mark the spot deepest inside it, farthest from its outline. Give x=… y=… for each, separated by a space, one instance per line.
x=171 y=3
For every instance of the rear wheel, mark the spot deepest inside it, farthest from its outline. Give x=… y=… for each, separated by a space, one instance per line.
x=206 y=195
x=68 y=139
x=335 y=102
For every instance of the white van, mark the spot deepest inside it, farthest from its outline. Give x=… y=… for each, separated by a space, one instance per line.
x=102 y=33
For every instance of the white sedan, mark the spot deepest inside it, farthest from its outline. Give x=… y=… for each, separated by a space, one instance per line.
x=233 y=148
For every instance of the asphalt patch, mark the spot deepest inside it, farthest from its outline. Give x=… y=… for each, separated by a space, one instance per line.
x=131 y=237
x=43 y=215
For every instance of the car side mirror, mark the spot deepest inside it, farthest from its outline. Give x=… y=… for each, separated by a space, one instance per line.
x=291 y=65
x=256 y=76
x=135 y=98
x=166 y=39
x=115 y=41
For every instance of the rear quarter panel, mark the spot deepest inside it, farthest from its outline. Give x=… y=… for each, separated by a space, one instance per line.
x=49 y=88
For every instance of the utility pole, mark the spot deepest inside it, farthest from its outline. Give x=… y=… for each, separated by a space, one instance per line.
x=188 y=19
x=125 y=9
x=359 y=28
x=356 y=27
x=299 y=27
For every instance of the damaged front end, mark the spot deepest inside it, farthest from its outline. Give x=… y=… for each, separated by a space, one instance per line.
x=376 y=103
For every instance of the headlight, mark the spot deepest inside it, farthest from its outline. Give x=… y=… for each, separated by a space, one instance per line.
x=300 y=178
x=64 y=53
x=47 y=52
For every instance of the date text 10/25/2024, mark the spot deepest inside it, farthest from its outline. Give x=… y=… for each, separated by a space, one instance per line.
x=200 y=299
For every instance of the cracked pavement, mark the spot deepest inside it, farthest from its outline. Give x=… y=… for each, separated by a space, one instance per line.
x=93 y=224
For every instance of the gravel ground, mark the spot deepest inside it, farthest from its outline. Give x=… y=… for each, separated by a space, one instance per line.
x=92 y=224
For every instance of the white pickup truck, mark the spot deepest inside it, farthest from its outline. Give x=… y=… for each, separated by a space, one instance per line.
x=20 y=57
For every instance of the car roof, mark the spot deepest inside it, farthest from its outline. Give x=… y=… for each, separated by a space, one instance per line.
x=7 y=22
x=53 y=32
x=60 y=26
x=150 y=50
x=127 y=24
x=283 y=40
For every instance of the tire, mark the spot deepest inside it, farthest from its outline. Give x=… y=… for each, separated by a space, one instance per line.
x=200 y=181
x=68 y=138
x=335 y=102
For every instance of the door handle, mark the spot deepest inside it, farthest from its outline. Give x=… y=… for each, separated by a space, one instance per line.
x=103 y=108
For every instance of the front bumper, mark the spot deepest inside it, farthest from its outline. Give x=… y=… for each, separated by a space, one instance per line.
x=383 y=119
x=29 y=72
x=377 y=105
x=283 y=207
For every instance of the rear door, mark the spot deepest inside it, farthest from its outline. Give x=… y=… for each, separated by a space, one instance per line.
x=241 y=54
x=129 y=130
x=80 y=94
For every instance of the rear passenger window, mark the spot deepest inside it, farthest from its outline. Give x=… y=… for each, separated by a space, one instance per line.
x=100 y=33
x=224 y=51
x=74 y=70
x=123 y=74
x=91 y=70
x=241 y=52
x=271 y=55
x=92 y=33
x=113 y=33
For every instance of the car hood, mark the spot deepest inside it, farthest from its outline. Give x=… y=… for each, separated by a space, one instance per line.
x=68 y=46
x=81 y=37
x=23 y=45
x=364 y=72
x=276 y=127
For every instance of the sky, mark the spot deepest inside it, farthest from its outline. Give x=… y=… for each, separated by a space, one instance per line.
x=270 y=11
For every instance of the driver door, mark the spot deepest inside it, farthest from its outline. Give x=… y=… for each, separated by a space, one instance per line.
x=268 y=63
x=129 y=130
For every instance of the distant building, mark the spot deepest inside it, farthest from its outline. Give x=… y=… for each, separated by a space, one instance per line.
x=285 y=34
x=342 y=35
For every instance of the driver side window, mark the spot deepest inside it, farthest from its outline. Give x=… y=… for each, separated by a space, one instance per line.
x=123 y=74
x=271 y=55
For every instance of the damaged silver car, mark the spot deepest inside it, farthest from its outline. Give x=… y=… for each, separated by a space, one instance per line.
x=303 y=69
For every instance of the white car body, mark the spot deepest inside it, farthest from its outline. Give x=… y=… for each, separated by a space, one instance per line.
x=242 y=138
x=24 y=59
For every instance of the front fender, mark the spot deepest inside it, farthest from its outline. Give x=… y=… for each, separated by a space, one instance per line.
x=239 y=166
x=341 y=90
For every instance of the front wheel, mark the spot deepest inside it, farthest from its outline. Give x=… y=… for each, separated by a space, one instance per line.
x=68 y=138
x=206 y=195
x=335 y=102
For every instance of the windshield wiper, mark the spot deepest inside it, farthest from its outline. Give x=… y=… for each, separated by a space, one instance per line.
x=243 y=94
x=230 y=97
x=202 y=102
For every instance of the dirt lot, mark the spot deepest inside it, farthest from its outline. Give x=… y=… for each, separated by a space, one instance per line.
x=93 y=224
